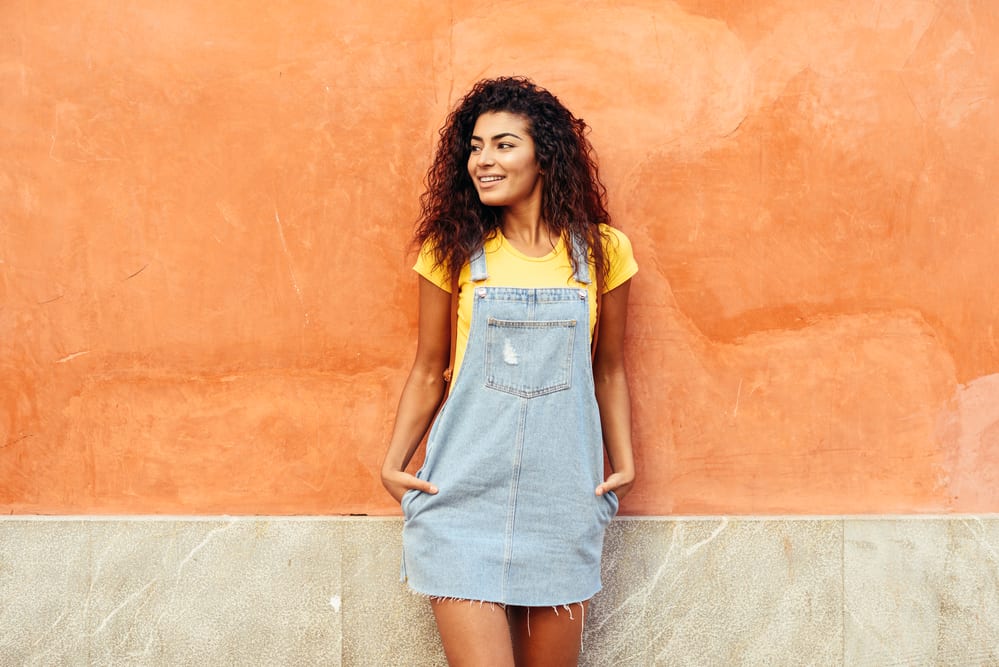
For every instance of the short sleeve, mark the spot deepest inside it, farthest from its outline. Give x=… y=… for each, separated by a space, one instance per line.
x=620 y=258
x=425 y=267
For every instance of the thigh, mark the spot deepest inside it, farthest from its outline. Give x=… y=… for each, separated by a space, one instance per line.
x=549 y=636
x=474 y=634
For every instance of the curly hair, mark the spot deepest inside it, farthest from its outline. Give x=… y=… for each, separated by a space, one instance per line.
x=573 y=199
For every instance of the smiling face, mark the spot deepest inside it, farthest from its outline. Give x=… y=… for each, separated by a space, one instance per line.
x=502 y=162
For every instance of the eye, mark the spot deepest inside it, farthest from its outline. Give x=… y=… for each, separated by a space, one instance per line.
x=474 y=148
x=505 y=145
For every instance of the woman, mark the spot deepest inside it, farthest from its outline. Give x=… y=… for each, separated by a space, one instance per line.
x=504 y=523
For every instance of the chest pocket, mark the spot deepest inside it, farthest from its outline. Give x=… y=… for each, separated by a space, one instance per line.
x=529 y=358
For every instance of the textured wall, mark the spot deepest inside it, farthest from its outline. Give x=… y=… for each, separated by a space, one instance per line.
x=205 y=301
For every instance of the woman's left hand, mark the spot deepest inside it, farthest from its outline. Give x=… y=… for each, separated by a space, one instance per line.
x=619 y=482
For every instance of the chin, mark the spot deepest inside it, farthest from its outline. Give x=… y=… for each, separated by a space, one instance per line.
x=491 y=200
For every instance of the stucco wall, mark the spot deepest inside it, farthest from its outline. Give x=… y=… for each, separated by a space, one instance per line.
x=205 y=297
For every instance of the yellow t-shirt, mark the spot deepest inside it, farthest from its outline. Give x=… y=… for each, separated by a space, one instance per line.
x=508 y=267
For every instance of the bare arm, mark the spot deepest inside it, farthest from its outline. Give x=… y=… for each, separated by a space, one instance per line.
x=423 y=391
x=611 y=384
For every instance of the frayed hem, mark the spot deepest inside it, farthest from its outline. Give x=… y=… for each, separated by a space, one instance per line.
x=566 y=606
x=569 y=609
x=448 y=598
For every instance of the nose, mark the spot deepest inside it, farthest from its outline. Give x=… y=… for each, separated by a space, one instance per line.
x=485 y=156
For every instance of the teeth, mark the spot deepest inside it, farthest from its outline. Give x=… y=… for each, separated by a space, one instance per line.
x=490 y=179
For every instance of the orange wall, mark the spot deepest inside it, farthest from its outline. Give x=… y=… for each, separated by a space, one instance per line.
x=205 y=299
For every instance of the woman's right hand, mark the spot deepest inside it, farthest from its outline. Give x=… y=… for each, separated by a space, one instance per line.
x=398 y=482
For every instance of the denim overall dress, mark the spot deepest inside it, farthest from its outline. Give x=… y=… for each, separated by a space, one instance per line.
x=516 y=452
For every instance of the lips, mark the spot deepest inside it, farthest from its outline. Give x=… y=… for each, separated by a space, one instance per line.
x=490 y=179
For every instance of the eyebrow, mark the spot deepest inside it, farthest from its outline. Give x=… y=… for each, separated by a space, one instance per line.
x=499 y=136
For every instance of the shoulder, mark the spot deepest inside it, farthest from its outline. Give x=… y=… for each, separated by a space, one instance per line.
x=427 y=266
x=620 y=257
x=615 y=240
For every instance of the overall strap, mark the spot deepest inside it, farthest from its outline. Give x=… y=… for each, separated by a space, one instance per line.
x=478 y=266
x=478 y=270
x=582 y=259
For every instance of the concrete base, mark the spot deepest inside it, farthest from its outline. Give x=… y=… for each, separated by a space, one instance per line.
x=325 y=591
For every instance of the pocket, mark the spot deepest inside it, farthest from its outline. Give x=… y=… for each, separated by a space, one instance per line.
x=407 y=500
x=612 y=503
x=529 y=358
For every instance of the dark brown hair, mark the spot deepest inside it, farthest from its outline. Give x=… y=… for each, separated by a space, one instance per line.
x=573 y=200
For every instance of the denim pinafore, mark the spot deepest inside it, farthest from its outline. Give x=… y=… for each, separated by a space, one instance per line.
x=516 y=452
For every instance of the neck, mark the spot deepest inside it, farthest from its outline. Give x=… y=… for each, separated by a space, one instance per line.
x=528 y=233
x=523 y=219
x=525 y=228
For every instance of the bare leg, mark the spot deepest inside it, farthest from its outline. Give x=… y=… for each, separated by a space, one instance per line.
x=547 y=636
x=474 y=634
